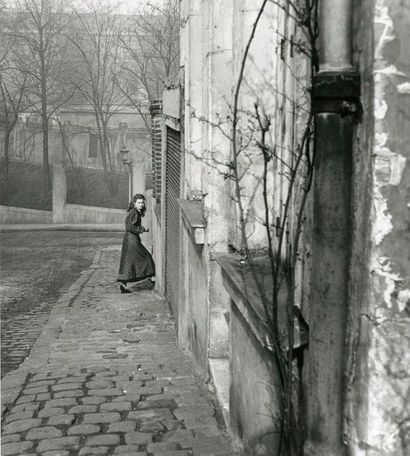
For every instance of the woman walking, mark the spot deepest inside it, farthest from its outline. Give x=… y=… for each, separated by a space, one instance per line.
x=136 y=262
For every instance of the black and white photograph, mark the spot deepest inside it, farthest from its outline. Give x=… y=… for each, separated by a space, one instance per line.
x=205 y=227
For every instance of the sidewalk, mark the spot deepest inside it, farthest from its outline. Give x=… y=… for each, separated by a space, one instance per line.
x=105 y=377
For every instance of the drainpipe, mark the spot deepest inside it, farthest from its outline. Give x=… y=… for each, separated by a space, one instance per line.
x=336 y=92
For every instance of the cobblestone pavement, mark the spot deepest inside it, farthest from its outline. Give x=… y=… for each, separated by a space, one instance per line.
x=36 y=268
x=105 y=377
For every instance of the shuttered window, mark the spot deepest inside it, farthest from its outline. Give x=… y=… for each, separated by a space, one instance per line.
x=172 y=216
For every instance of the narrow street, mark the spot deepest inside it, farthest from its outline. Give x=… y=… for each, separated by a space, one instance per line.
x=105 y=375
x=36 y=268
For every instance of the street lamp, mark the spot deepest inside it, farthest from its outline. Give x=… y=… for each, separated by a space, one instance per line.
x=125 y=158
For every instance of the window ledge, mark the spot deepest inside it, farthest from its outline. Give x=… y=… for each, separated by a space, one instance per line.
x=239 y=283
x=193 y=216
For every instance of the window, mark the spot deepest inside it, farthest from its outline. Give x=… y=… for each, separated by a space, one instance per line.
x=93 y=145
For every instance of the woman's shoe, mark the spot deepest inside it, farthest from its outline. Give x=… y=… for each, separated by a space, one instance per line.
x=123 y=289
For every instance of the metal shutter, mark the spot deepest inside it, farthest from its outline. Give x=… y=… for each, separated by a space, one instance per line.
x=172 y=222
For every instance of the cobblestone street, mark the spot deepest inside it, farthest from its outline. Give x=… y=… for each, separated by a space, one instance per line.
x=105 y=377
x=36 y=268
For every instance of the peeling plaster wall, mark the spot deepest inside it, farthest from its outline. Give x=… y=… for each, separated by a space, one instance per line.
x=378 y=402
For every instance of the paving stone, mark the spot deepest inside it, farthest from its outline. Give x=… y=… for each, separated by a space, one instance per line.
x=193 y=412
x=63 y=402
x=69 y=443
x=66 y=386
x=172 y=424
x=146 y=391
x=200 y=421
x=83 y=409
x=71 y=393
x=173 y=453
x=138 y=438
x=21 y=425
x=130 y=397
x=163 y=413
x=138 y=453
x=105 y=392
x=56 y=453
x=94 y=450
x=98 y=384
x=122 y=426
x=43 y=397
x=84 y=429
x=129 y=449
x=156 y=404
x=93 y=400
x=25 y=407
x=10 y=438
x=162 y=396
x=15 y=448
x=19 y=416
x=115 y=407
x=151 y=426
x=48 y=376
x=40 y=383
x=162 y=447
x=74 y=379
x=105 y=417
x=61 y=419
x=105 y=439
x=45 y=432
x=47 y=412
x=36 y=390
x=25 y=399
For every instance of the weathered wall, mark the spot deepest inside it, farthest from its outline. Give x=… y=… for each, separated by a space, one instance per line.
x=253 y=403
x=11 y=215
x=378 y=407
x=74 y=213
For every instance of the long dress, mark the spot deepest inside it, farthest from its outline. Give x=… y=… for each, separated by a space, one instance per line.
x=136 y=262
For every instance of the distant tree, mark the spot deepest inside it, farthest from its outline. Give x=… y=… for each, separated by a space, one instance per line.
x=96 y=55
x=150 y=41
x=39 y=55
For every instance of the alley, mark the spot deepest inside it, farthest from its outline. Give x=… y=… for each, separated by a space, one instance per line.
x=36 y=268
x=105 y=377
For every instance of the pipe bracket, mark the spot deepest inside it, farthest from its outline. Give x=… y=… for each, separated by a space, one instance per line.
x=337 y=92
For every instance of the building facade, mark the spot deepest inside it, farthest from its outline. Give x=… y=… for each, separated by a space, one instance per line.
x=234 y=168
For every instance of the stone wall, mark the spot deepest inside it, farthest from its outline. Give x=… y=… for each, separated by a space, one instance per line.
x=378 y=408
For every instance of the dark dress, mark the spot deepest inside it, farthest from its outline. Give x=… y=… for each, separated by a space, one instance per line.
x=136 y=262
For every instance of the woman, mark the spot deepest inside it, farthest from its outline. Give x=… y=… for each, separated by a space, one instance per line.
x=136 y=262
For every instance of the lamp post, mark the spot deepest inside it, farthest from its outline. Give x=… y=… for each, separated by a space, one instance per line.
x=125 y=158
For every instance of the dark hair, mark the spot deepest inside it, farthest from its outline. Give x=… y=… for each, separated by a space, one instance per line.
x=137 y=196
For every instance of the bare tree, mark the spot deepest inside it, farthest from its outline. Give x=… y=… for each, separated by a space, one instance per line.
x=150 y=41
x=271 y=164
x=96 y=55
x=40 y=56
